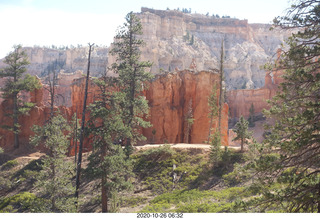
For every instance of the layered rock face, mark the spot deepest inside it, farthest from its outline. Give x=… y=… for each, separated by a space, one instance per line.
x=240 y=100
x=63 y=89
x=173 y=39
x=38 y=115
x=44 y=60
x=172 y=97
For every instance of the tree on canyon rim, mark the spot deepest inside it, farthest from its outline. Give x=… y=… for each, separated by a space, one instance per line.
x=132 y=77
x=54 y=181
x=295 y=164
x=15 y=83
x=108 y=161
x=251 y=116
x=241 y=129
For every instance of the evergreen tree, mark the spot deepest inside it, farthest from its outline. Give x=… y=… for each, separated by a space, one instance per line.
x=251 y=116
x=241 y=129
x=108 y=161
x=54 y=180
x=295 y=164
x=189 y=120
x=213 y=108
x=16 y=82
x=215 y=148
x=132 y=77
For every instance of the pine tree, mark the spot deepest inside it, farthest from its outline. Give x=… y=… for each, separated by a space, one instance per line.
x=189 y=120
x=16 y=82
x=54 y=180
x=213 y=108
x=215 y=148
x=241 y=129
x=132 y=77
x=108 y=161
x=251 y=116
x=294 y=142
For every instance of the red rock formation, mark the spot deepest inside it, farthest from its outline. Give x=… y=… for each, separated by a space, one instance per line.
x=169 y=97
x=37 y=116
x=240 y=101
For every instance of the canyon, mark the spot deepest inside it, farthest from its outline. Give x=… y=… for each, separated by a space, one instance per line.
x=170 y=98
x=173 y=40
x=185 y=52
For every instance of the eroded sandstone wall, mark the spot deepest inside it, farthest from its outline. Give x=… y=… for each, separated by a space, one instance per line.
x=240 y=101
x=170 y=97
x=247 y=47
x=38 y=115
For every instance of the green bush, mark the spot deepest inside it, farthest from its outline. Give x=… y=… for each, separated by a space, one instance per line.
x=154 y=167
x=193 y=201
x=30 y=169
x=5 y=183
x=18 y=203
x=133 y=201
x=9 y=164
x=206 y=207
x=237 y=176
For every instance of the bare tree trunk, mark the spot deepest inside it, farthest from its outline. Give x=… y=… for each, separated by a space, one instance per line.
x=82 y=128
x=15 y=117
x=242 y=143
x=75 y=139
x=104 y=195
x=52 y=94
x=210 y=126
x=221 y=86
x=15 y=121
x=104 y=191
x=318 y=198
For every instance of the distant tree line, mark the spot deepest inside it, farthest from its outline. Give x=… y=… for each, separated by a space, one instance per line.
x=188 y=11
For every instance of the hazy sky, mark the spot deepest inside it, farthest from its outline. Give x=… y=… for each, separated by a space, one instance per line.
x=66 y=22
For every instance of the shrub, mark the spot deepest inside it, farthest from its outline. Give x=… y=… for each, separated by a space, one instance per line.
x=133 y=201
x=9 y=164
x=18 y=203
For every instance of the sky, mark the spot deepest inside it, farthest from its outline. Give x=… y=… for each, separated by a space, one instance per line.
x=73 y=22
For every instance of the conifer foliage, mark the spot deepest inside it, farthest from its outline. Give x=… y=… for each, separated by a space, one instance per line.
x=15 y=83
x=54 y=180
x=296 y=111
x=132 y=77
x=241 y=129
x=108 y=161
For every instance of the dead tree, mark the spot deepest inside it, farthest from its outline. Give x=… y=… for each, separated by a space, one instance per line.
x=82 y=127
x=221 y=94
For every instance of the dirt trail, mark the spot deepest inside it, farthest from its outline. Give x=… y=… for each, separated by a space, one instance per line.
x=182 y=145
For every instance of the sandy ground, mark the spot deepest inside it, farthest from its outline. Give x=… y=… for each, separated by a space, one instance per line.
x=182 y=145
